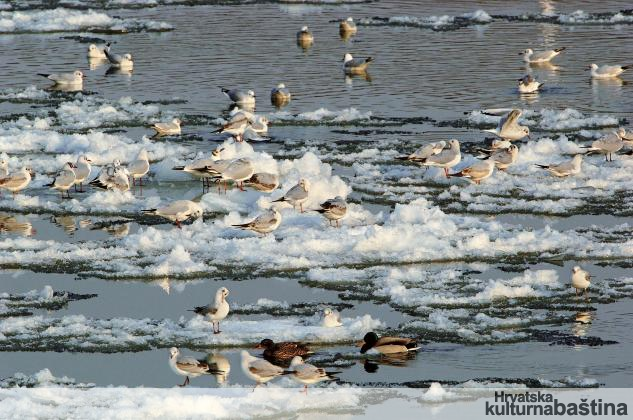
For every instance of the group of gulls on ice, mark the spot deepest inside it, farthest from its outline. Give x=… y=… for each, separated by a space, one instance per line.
x=244 y=125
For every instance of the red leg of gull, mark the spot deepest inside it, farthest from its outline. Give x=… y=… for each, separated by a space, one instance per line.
x=301 y=207
x=446 y=172
x=178 y=224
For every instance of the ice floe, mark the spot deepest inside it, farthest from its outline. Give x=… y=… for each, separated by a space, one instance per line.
x=436 y=23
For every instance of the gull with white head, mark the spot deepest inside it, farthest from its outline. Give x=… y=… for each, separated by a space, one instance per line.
x=564 y=169
x=296 y=195
x=178 y=211
x=124 y=61
x=215 y=311
x=531 y=56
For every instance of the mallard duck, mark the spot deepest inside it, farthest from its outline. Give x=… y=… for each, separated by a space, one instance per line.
x=387 y=345
x=283 y=350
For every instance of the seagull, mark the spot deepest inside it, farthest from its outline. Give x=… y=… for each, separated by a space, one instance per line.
x=178 y=211
x=530 y=56
x=304 y=36
x=280 y=95
x=509 y=128
x=75 y=78
x=347 y=27
x=387 y=345
x=580 y=280
x=527 y=84
x=198 y=168
x=139 y=167
x=606 y=72
x=112 y=177
x=503 y=158
x=259 y=124
x=121 y=61
x=626 y=136
x=263 y=181
x=333 y=209
x=240 y=96
x=237 y=171
x=236 y=125
x=96 y=52
x=296 y=195
x=331 y=318
x=307 y=374
x=188 y=366
x=608 y=145
x=16 y=182
x=82 y=171
x=261 y=371
x=217 y=310
x=446 y=159
x=425 y=152
x=563 y=169
x=478 y=171
x=264 y=223
x=355 y=65
x=168 y=128
x=64 y=179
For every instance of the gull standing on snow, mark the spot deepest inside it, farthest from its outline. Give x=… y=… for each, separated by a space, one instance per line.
x=296 y=195
x=478 y=171
x=333 y=209
x=280 y=95
x=503 y=158
x=82 y=171
x=353 y=65
x=308 y=374
x=215 y=311
x=528 y=84
x=626 y=136
x=240 y=96
x=347 y=27
x=425 y=152
x=607 y=72
x=607 y=145
x=264 y=223
x=17 y=181
x=446 y=159
x=580 y=280
x=74 y=79
x=120 y=61
x=178 y=211
x=139 y=167
x=188 y=366
x=168 y=128
x=259 y=370
x=509 y=128
x=198 y=168
x=530 y=56
x=237 y=171
x=263 y=181
x=64 y=180
x=96 y=52
x=563 y=169
x=331 y=318
x=112 y=177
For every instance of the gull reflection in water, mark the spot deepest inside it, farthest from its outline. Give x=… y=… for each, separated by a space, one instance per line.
x=95 y=62
x=119 y=70
x=65 y=222
x=220 y=364
x=582 y=324
x=11 y=224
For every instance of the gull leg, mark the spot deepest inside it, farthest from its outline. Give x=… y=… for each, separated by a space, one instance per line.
x=446 y=172
x=337 y=225
x=178 y=224
x=301 y=207
x=185 y=383
x=218 y=331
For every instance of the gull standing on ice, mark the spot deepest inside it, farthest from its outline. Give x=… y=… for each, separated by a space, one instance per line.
x=96 y=52
x=178 y=211
x=217 y=310
x=237 y=171
x=607 y=145
x=240 y=96
x=425 y=152
x=168 y=128
x=446 y=159
x=120 y=61
x=503 y=158
x=563 y=169
x=606 y=71
x=580 y=280
x=64 y=180
x=112 y=177
x=296 y=195
x=17 y=181
x=188 y=366
x=74 y=79
x=530 y=56
x=263 y=181
x=139 y=167
x=264 y=223
x=280 y=95
x=528 y=84
x=308 y=374
x=259 y=370
x=509 y=128
x=331 y=318
x=198 y=168
x=478 y=171
x=353 y=65
x=82 y=171
x=333 y=209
